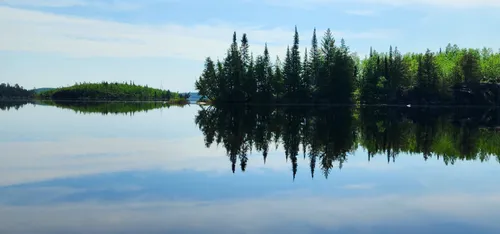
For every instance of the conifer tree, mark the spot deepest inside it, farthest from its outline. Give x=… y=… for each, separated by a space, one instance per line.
x=315 y=62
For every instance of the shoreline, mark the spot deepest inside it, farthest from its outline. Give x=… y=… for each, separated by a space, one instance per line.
x=209 y=103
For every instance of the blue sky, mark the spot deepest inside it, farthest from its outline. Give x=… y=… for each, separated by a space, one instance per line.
x=50 y=43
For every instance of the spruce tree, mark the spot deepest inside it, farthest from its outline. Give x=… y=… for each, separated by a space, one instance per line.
x=327 y=75
x=268 y=74
x=295 y=70
x=315 y=63
x=306 y=77
x=287 y=74
x=278 y=79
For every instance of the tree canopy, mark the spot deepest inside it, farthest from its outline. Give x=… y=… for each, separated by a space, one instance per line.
x=330 y=73
x=112 y=91
x=14 y=91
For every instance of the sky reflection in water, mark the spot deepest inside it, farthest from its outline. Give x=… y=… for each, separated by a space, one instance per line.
x=64 y=172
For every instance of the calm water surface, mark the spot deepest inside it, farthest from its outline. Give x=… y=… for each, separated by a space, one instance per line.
x=162 y=171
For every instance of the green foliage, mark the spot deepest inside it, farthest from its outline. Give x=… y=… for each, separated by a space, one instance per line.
x=111 y=91
x=332 y=74
x=449 y=77
x=328 y=75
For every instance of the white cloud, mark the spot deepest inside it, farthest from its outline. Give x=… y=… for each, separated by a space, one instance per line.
x=46 y=3
x=441 y=3
x=359 y=186
x=113 y=5
x=309 y=4
x=291 y=213
x=361 y=12
x=25 y=162
x=35 y=31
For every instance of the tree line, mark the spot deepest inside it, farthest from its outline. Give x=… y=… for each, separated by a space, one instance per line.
x=112 y=91
x=328 y=136
x=330 y=73
x=14 y=92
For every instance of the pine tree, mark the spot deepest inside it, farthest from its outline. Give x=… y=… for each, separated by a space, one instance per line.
x=207 y=83
x=306 y=77
x=327 y=73
x=295 y=70
x=268 y=74
x=250 y=83
x=315 y=62
x=287 y=74
x=278 y=79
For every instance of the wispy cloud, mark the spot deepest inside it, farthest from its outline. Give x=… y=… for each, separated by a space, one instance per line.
x=441 y=3
x=359 y=186
x=36 y=31
x=124 y=5
x=86 y=156
x=309 y=4
x=361 y=12
x=274 y=214
x=46 y=3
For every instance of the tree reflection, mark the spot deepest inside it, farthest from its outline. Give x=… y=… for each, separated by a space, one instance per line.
x=106 y=108
x=8 y=105
x=327 y=136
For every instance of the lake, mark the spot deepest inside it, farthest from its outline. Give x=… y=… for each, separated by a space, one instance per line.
x=154 y=168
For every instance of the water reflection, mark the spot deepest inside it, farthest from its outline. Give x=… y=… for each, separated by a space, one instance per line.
x=105 y=108
x=153 y=173
x=8 y=105
x=328 y=135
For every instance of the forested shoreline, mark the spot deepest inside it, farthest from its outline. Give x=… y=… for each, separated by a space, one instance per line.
x=15 y=91
x=112 y=91
x=328 y=72
x=104 y=91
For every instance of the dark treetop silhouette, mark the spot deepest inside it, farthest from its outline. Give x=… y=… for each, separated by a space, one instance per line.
x=330 y=73
x=8 y=91
x=328 y=136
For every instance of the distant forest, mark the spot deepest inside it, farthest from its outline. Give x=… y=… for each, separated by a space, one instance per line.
x=104 y=91
x=330 y=73
x=8 y=91
x=112 y=91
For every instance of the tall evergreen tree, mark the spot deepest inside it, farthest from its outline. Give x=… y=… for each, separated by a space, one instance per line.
x=306 y=78
x=315 y=62
x=268 y=74
x=327 y=72
x=330 y=73
x=278 y=79
x=294 y=79
x=207 y=85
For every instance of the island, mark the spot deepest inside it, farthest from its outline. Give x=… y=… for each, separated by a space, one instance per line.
x=330 y=73
x=108 y=91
